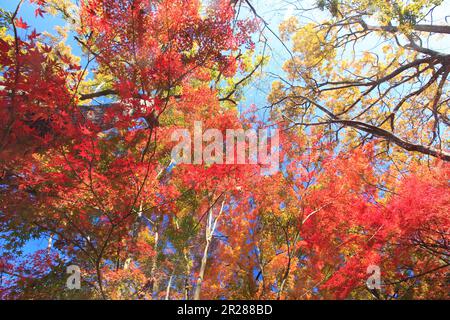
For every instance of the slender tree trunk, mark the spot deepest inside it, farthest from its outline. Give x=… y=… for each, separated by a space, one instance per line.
x=168 y=287
x=155 y=287
x=209 y=231
x=198 y=287
x=188 y=273
x=50 y=243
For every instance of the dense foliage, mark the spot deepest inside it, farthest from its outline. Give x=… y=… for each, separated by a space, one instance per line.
x=95 y=179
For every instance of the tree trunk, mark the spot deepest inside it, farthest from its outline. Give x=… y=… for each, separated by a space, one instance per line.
x=155 y=287
x=201 y=274
x=168 y=287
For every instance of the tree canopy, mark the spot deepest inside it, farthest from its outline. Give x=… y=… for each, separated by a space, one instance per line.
x=87 y=117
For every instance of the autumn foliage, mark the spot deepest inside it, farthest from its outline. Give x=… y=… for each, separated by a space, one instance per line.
x=96 y=183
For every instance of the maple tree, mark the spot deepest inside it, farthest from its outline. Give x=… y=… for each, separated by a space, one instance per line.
x=86 y=165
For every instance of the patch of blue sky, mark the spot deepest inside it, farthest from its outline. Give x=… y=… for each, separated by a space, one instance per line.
x=140 y=124
x=46 y=24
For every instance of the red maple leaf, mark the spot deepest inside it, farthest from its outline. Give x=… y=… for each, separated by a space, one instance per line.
x=21 y=24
